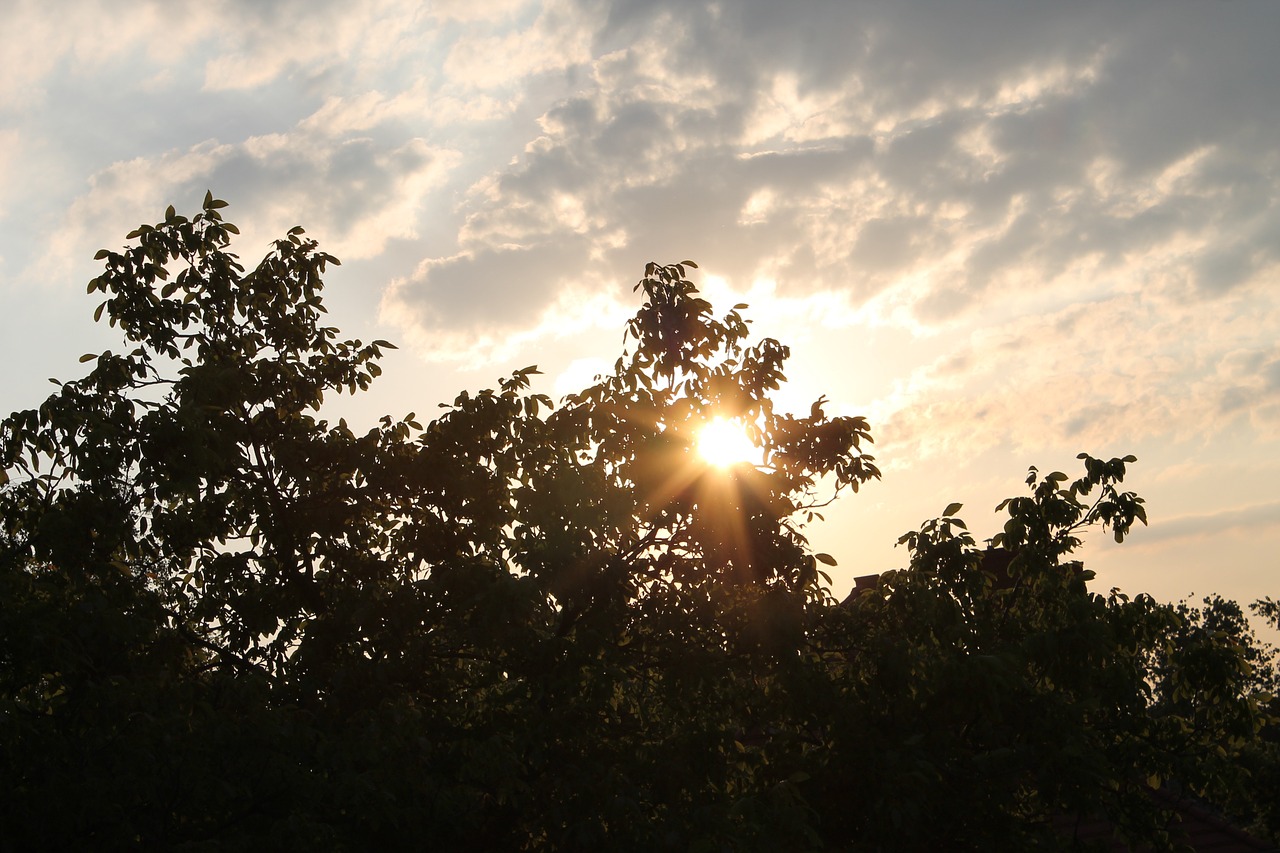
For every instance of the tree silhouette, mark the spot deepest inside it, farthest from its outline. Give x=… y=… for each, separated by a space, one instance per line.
x=229 y=623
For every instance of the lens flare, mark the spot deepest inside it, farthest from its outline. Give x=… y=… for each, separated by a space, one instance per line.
x=724 y=442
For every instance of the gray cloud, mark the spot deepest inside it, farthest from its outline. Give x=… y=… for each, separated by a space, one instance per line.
x=1202 y=525
x=1014 y=141
x=938 y=166
x=467 y=291
x=1006 y=228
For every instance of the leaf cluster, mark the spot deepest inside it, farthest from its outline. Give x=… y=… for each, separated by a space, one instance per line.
x=530 y=624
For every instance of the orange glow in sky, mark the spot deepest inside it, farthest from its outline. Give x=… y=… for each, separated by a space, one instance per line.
x=723 y=443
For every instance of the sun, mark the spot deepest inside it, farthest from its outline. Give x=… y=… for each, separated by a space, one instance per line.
x=724 y=442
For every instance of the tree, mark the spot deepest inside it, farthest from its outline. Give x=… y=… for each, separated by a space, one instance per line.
x=523 y=625
x=1000 y=700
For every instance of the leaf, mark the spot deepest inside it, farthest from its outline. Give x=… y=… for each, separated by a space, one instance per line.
x=826 y=558
x=87 y=357
x=951 y=510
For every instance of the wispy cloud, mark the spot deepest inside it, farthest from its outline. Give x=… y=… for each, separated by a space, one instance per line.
x=372 y=192
x=1205 y=525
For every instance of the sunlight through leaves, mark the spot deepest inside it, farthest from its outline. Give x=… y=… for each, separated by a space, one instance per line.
x=724 y=442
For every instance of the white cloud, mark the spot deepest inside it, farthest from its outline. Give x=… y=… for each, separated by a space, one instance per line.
x=558 y=38
x=265 y=41
x=83 y=35
x=933 y=170
x=121 y=196
x=10 y=155
x=471 y=307
x=1205 y=525
x=1126 y=366
x=927 y=186
x=370 y=192
x=477 y=10
x=341 y=116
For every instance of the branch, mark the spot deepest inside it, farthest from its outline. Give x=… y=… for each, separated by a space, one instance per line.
x=240 y=662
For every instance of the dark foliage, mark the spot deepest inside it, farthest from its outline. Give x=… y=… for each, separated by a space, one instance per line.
x=228 y=624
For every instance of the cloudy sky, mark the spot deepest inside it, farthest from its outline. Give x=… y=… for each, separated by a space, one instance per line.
x=1006 y=232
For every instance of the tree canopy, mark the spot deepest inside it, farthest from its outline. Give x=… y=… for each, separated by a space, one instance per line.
x=530 y=624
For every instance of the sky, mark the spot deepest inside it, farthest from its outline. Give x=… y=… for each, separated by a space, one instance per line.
x=1005 y=232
